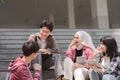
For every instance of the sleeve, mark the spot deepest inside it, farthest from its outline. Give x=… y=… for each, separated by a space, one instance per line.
x=31 y=37
x=52 y=45
x=71 y=53
x=36 y=75
x=112 y=66
x=88 y=53
x=26 y=74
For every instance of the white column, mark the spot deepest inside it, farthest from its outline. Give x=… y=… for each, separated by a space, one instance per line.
x=100 y=14
x=51 y=19
x=71 y=15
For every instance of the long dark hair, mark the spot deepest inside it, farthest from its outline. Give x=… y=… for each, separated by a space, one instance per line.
x=112 y=48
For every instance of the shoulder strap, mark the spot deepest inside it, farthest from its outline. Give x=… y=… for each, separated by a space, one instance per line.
x=35 y=38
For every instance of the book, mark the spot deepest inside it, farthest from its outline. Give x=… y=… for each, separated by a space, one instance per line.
x=94 y=62
x=80 y=60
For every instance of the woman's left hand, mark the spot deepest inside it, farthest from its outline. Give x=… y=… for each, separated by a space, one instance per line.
x=94 y=67
x=76 y=65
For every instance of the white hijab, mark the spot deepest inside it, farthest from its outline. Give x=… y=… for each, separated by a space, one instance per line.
x=85 y=40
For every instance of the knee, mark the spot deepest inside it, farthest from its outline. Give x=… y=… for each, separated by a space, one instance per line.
x=68 y=60
x=78 y=71
x=91 y=71
x=56 y=55
x=106 y=77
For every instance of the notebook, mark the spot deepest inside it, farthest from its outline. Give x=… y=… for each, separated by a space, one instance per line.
x=80 y=60
x=94 y=62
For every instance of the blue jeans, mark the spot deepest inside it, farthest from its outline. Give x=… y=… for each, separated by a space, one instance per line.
x=50 y=60
x=108 y=77
x=94 y=75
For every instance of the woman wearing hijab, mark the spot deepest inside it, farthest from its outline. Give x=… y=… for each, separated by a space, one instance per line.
x=81 y=45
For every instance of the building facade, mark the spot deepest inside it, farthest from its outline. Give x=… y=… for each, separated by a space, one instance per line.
x=83 y=14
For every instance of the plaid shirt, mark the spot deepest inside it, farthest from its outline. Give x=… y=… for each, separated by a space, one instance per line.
x=114 y=67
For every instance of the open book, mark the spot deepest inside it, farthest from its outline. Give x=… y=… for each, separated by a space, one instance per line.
x=94 y=62
x=80 y=60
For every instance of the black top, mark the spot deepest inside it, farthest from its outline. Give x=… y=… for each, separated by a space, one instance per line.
x=78 y=53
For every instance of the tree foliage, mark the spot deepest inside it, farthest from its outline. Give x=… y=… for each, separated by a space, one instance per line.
x=1 y=2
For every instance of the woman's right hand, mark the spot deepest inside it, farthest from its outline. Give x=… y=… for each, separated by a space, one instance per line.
x=73 y=42
x=96 y=52
x=76 y=65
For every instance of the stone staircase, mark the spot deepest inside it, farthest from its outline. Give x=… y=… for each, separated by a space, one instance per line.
x=11 y=41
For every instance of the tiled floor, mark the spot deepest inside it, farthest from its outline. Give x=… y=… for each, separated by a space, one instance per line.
x=48 y=75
